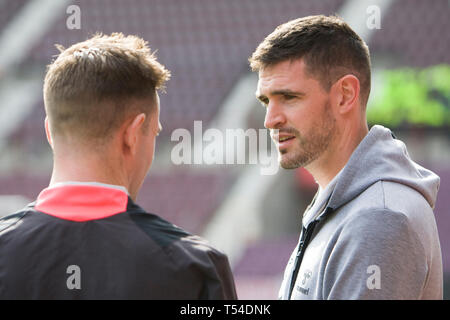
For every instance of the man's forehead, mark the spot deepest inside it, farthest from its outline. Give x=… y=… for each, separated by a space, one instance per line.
x=285 y=66
x=285 y=75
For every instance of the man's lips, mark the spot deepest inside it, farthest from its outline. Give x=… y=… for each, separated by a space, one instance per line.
x=283 y=139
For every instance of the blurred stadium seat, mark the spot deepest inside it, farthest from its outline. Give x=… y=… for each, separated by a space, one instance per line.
x=8 y=10
x=260 y=270
x=183 y=198
x=413 y=33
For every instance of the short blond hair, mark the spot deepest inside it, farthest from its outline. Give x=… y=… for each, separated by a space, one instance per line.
x=89 y=88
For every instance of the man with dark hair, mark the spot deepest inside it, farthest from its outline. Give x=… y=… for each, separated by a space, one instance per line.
x=85 y=237
x=370 y=231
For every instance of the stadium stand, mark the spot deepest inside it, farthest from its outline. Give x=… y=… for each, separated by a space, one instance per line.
x=442 y=215
x=412 y=33
x=23 y=184
x=206 y=45
x=8 y=9
x=30 y=135
x=260 y=271
x=183 y=198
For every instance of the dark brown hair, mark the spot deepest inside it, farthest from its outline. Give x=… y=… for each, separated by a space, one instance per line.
x=90 y=88
x=329 y=47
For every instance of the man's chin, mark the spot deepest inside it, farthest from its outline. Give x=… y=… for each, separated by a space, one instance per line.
x=288 y=162
x=287 y=166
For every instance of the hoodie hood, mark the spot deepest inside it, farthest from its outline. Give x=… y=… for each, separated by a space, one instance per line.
x=378 y=157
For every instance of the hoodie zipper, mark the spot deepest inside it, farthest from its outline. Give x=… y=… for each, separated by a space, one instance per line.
x=305 y=238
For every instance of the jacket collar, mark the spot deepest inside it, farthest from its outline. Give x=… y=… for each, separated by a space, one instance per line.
x=78 y=201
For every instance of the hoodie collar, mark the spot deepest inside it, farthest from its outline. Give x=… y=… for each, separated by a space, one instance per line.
x=320 y=201
x=378 y=157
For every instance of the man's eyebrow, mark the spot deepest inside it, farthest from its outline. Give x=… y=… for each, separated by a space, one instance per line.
x=287 y=92
x=263 y=97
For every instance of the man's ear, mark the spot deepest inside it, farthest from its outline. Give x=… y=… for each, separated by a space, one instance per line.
x=347 y=93
x=47 y=132
x=132 y=132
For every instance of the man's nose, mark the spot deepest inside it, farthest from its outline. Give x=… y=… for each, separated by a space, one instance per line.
x=275 y=117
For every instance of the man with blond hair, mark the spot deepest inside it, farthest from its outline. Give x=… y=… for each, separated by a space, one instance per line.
x=85 y=237
x=370 y=231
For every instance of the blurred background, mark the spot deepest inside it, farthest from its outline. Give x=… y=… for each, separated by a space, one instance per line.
x=254 y=218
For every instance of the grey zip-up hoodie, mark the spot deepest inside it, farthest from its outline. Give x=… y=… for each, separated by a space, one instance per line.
x=375 y=235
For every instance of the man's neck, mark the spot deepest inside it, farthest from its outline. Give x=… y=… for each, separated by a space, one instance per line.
x=337 y=155
x=86 y=169
x=91 y=183
x=58 y=177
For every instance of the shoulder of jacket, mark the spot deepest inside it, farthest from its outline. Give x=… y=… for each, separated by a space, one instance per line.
x=11 y=220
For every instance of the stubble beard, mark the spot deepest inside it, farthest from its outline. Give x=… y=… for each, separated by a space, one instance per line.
x=310 y=145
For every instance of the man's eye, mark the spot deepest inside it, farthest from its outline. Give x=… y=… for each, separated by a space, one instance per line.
x=288 y=97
